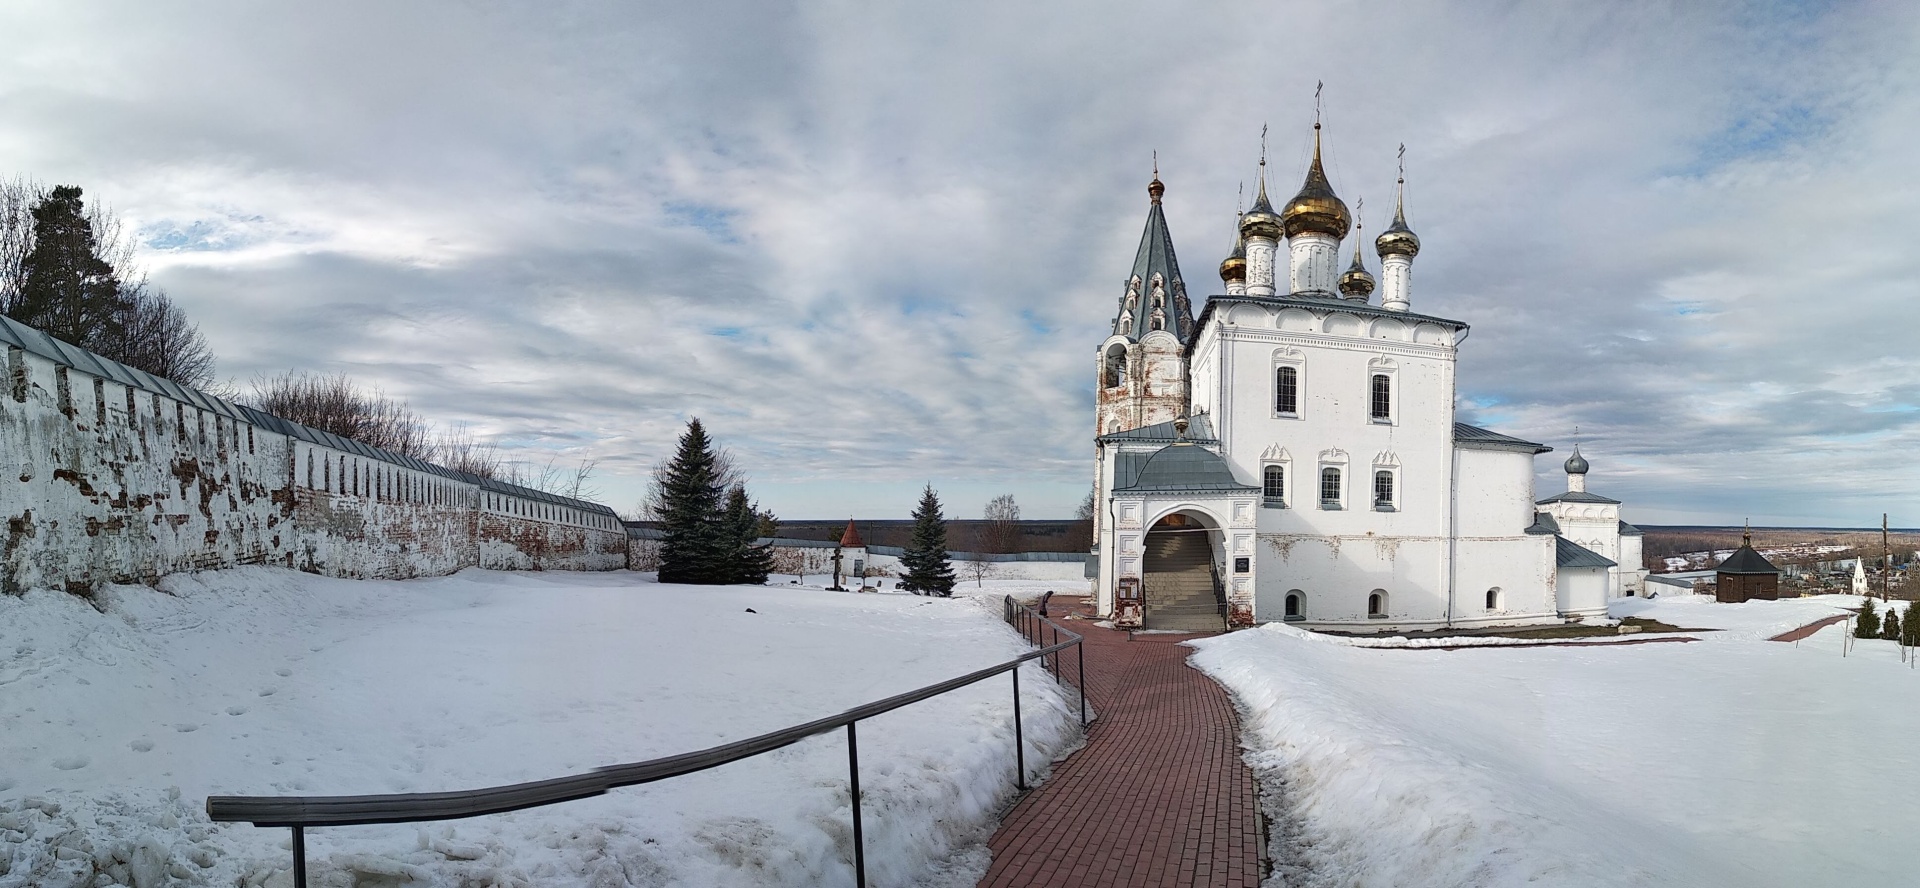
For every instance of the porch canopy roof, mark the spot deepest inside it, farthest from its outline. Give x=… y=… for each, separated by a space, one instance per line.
x=1183 y=467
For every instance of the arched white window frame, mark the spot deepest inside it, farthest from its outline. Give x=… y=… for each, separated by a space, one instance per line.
x=1294 y=606
x=1292 y=358
x=1386 y=488
x=1336 y=459
x=1390 y=369
x=1377 y=604
x=1277 y=457
x=1388 y=462
x=1495 y=599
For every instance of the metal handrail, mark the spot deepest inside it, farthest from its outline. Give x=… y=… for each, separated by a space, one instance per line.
x=299 y=812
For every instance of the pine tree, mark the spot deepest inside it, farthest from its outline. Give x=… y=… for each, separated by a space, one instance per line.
x=1868 y=623
x=1890 y=625
x=67 y=290
x=928 y=571
x=745 y=523
x=696 y=547
x=1910 y=628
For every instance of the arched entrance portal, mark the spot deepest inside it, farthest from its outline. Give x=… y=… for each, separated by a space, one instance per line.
x=1180 y=575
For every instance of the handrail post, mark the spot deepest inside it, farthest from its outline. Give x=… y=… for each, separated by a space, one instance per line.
x=1019 y=744
x=299 y=858
x=1080 y=647
x=853 y=780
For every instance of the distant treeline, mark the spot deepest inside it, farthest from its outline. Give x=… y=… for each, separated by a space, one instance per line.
x=963 y=535
x=1665 y=541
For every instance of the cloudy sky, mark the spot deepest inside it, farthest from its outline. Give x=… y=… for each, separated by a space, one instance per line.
x=875 y=245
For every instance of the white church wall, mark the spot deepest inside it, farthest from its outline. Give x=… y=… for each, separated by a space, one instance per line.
x=1332 y=429
x=1495 y=492
x=1632 y=576
x=1335 y=576
x=1582 y=591
x=1520 y=568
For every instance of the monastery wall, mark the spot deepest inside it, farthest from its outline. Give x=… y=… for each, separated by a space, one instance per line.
x=117 y=476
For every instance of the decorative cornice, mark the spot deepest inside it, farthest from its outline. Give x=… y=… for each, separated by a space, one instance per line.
x=1332 y=341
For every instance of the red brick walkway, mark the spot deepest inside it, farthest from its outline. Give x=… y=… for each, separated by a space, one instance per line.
x=1806 y=631
x=1157 y=797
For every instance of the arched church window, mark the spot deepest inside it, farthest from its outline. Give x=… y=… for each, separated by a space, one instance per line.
x=1383 y=490
x=1329 y=488
x=1493 y=598
x=1382 y=402
x=1286 y=390
x=1274 y=485
x=1296 y=604
x=1377 y=604
x=1116 y=367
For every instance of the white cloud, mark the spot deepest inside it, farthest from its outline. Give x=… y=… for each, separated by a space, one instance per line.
x=874 y=247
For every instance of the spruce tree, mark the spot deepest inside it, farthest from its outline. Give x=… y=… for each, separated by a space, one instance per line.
x=1910 y=628
x=696 y=547
x=67 y=290
x=1868 y=623
x=1890 y=625
x=928 y=571
x=745 y=523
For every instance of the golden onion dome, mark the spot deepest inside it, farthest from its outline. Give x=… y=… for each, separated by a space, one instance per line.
x=1261 y=220
x=1356 y=282
x=1233 y=268
x=1155 y=188
x=1398 y=239
x=1316 y=209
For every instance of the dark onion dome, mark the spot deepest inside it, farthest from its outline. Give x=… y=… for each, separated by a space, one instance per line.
x=1398 y=239
x=1316 y=209
x=1261 y=220
x=1576 y=464
x=1356 y=282
x=1234 y=267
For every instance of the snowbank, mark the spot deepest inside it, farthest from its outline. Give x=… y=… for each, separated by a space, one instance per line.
x=115 y=726
x=1715 y=763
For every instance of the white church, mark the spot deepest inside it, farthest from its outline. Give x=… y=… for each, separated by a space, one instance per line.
x=1292 y=453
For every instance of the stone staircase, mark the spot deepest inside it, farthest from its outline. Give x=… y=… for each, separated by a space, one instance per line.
x=1179 y=584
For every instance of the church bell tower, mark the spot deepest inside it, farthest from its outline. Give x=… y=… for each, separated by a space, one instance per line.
x=1142 y=364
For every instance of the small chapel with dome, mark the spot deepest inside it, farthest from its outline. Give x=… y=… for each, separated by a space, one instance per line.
x=1292 y=453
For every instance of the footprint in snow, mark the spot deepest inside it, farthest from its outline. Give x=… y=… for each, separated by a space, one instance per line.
x=283 y=672
x=185 y=728
x=268 y=692
x=236 y=710
x=141 y=745
x=72 y=762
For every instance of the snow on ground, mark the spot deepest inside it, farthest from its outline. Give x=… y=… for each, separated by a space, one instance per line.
x=1729 y=761
x=115 y=726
